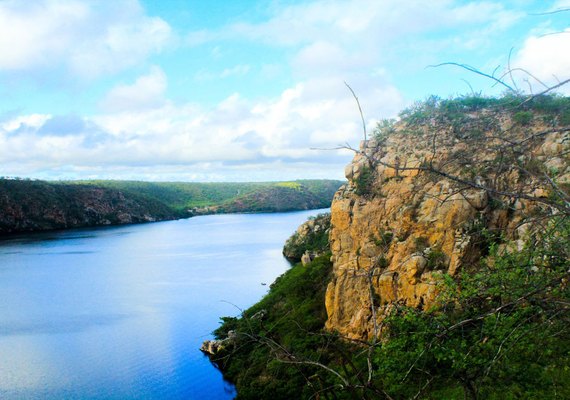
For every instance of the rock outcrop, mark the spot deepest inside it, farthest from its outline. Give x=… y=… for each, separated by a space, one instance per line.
x=396 y=226
x=310 y=240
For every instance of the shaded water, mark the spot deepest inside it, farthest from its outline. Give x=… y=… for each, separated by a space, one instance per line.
x=120 y=312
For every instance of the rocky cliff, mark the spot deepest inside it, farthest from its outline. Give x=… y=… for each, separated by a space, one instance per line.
x=424 y=194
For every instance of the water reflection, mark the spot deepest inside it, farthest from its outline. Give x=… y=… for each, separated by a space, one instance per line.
x=119 y=313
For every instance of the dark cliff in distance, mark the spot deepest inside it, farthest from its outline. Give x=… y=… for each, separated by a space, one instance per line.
x=27 y=206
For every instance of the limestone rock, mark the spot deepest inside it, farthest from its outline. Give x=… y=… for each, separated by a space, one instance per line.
x=306 y=258
x=416 y=226
x=212 y=346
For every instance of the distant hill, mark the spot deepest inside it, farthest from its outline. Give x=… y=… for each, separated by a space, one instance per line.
x=30 y=205
x=37 y=205
x=229 y=197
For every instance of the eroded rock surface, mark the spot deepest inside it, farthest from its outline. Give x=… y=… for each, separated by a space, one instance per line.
x=395 y=228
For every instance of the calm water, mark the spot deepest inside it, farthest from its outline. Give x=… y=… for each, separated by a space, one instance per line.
x=119 y=313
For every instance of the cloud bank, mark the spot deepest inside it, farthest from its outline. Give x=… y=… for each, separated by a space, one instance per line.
x=86 y=39
x=140 y=132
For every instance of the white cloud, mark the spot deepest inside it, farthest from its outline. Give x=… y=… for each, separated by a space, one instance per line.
x=86 y=38
x=349 y=39
x=327 y=42
x=145 y=93
x=238 y=70
x=561 y=4
x=343 y=21
x=265 y=139
x=545 y=57
x=34 y=121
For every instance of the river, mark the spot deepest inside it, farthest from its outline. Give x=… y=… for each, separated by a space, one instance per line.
x=120 y=312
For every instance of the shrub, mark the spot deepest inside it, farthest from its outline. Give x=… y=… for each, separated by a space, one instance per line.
x=384 y=128
x=523 y=118
x=364 y=181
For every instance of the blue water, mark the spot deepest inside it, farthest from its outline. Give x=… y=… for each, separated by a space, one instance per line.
x=120 y=312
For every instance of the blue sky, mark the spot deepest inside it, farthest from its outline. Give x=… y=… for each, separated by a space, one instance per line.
x=192 y=90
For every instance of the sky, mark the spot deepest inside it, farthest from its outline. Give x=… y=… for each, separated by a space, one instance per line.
x=244 y=90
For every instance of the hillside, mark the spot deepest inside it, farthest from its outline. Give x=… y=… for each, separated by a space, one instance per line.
x=449 y=276
x=36 y=205
x=27 y=205
x=207 y=198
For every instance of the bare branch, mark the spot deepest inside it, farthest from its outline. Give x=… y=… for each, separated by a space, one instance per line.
x=559 y=10
x=550 y=89
x=510 y=70
x=476 y=71
x=359 y=108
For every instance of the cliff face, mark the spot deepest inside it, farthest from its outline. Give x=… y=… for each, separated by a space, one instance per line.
x=395 y=228
x=35 y=205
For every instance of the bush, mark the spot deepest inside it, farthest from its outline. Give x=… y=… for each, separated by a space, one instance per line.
x=364 y=182
x=523 y=118
x=384 y=128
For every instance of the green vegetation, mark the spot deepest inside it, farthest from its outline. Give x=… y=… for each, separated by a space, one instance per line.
x=498 y=332
x=500 y=329
x=523 y=117
x=287 y=319
x=457 y=113
x=291 y=185
x=364 y=181
x=384 y=128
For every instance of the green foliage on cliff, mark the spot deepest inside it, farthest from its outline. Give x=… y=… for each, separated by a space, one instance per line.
x=457 y=113
x=499 y=332
x=364 y=182
x=287 y=319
